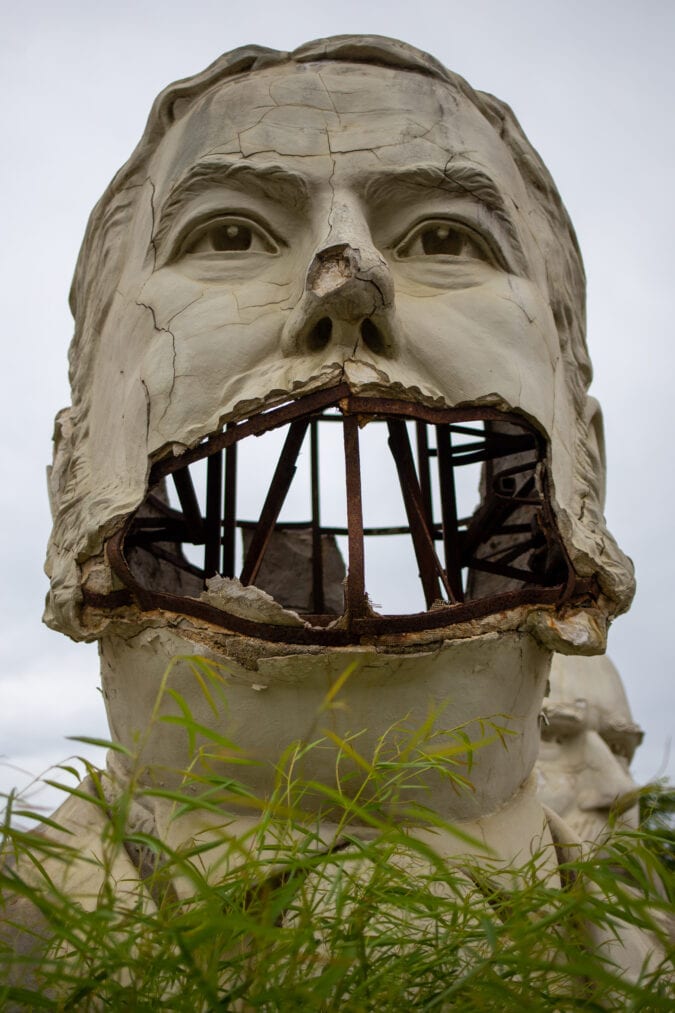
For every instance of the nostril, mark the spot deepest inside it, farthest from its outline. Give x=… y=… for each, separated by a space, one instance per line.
x=320 y=334
x=372 y=336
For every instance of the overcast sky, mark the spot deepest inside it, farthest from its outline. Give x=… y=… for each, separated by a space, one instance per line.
x=592 y=84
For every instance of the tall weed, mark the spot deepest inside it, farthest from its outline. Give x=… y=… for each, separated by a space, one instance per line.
x=323 y=899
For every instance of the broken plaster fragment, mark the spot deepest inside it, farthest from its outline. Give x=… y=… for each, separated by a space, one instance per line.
x=229 y=594
x=583 y=631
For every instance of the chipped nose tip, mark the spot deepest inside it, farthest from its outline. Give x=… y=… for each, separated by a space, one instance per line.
x=331 y=268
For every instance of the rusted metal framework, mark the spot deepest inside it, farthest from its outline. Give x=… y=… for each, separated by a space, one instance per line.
x=507 y=553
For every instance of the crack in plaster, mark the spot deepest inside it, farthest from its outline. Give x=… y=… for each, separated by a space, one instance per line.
x=263 y=305
x=518 y=303
x=153 y=243
x=147 y=409
x=163 y=330
x=186 y=307
x=332 y=155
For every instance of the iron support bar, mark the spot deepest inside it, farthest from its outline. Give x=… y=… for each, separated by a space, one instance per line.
x=430 y=568
x=317 y=550
x=355 y=595
x=515 y=504
x=281 y=481
x=188 y=501
x=214 y=489
x=423 y=455
x=230 y=518
x=446 y=480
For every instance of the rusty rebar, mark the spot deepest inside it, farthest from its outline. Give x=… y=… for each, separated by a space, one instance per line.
x=317 y=544
x=513 y=499
x=430 y=569
x=187 y=497
x=423 y=469
x=230 y=517
x=355 y=592
x=278 y=490
x=212 y=524
x=446 y=480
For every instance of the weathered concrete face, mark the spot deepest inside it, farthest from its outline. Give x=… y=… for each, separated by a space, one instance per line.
x=588 y=741
x=246 y=214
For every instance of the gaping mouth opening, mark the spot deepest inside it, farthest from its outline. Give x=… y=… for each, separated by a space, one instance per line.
x=338 y=518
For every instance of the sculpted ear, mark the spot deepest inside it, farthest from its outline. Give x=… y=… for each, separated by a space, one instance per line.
x=595 y=446
x=64 y=597
x=58 y=470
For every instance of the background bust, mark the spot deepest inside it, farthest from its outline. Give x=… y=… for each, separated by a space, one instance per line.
x=589 y=739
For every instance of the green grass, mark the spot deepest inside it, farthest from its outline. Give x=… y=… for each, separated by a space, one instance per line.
x=275 y=920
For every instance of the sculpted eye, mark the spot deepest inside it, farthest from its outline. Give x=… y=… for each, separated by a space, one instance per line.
x=620 y=747
x=443 y=239
x=230 y=235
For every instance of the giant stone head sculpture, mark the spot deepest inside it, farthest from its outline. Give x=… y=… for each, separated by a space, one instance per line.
x=346 y=234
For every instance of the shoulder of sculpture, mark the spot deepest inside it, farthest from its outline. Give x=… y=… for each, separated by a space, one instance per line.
x=633 y=949
x=68 y=860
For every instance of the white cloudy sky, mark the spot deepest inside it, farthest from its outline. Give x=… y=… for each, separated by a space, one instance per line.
x=592 y=83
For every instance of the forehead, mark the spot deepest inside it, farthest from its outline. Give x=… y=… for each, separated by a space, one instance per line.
x=341 y=116
x=601 y=689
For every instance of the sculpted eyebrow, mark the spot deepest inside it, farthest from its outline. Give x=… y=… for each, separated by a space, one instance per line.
x=457 y=179
x=622 y=730
x=270 y=181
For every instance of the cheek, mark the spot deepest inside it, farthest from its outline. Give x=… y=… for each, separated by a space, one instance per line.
x=200 y=370
x=207 y=339
x=495 y=338
x=557 y=784
x=180 y=302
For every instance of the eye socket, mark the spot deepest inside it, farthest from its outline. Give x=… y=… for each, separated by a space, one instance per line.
x=621 y=746
x=560 y=725
x=623 y=739
x=443 y=239
x=229 y=235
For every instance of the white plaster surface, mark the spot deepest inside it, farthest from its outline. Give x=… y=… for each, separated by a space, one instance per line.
x=588 y=741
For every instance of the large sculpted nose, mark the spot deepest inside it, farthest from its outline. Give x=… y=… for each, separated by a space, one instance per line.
x=348 y=301
x=605 y=782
